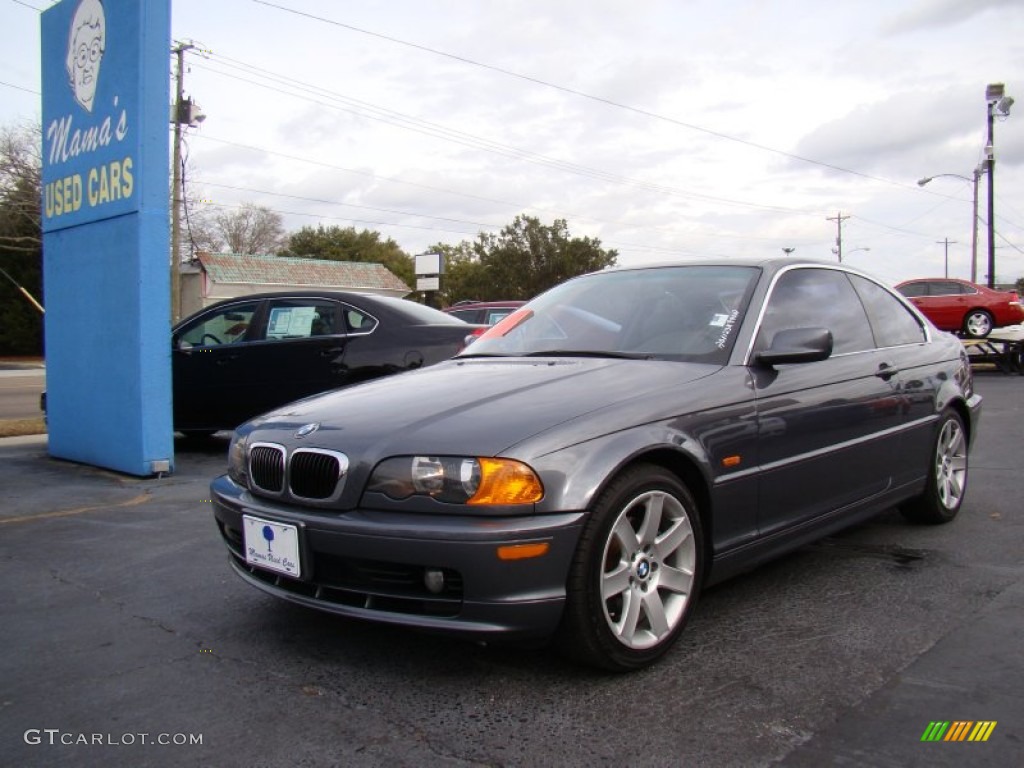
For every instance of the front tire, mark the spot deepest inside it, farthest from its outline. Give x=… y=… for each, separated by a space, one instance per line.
x=947 y=476
x=635 y=576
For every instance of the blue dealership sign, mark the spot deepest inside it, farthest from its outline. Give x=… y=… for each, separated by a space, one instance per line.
x=92 y=112
x=105 y=232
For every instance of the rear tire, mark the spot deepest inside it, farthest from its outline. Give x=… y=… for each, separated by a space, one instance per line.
x=947 y=476
x=978 y=324
x=635 y=576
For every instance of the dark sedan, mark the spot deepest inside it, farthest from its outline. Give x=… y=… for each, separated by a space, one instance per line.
x=594 y=460
x=240 y=357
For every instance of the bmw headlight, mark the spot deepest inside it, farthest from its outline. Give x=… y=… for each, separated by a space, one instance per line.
x=457 y=480
x=238 y=459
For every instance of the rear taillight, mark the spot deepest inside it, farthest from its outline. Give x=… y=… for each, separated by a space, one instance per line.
x=471 y=337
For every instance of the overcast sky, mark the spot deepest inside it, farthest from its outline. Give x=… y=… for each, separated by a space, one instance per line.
x=667 y=129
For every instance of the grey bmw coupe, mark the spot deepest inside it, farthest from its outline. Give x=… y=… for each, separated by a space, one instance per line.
x=595 y=459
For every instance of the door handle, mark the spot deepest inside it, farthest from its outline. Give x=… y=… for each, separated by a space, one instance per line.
x=331 y=352
x=886 y=371
x=225 y=359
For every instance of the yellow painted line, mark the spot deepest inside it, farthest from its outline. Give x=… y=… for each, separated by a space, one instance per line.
x=142 y=498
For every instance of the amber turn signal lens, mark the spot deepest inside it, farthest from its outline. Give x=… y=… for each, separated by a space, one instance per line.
x=503 y=481
x=523 y=551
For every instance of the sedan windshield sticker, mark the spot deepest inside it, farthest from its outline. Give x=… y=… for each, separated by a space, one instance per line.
x=726 y=323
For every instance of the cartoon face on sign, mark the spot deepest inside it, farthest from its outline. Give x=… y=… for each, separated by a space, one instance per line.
x=87 y=40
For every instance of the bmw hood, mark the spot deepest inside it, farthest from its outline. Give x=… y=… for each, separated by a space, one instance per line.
x=476 y=406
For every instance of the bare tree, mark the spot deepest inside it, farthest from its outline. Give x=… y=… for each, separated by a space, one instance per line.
x=21 y=255
x=252 y=229
x=203 y=232
x=20 y=187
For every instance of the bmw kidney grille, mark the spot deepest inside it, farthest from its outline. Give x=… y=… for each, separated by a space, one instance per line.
x=313 y=474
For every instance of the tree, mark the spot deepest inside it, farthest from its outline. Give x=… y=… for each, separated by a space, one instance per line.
x=251 y=229
x=524 y=259
x=21 y=252
x=201 y=231
x=346 y=244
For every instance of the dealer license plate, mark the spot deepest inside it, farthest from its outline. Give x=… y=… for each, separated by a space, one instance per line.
x=270 y=545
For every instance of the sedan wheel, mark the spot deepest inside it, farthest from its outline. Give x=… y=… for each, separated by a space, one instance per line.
x=947 y=477
x=978 y=324
x=635 y=577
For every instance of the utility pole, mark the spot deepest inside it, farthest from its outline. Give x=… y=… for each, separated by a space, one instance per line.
x=178 y=193
x=947 y=242
x=974 y=227
x=838 y=219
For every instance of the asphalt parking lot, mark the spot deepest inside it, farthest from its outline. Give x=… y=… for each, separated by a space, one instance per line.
x=128 y=641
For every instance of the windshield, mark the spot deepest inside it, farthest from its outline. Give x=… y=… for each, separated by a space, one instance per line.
x=688 y=313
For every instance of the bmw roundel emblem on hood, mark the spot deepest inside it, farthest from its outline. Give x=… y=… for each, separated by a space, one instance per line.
x=307 y=429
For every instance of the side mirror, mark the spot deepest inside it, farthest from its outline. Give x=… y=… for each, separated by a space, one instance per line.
x=182 y=346
x=797 y=345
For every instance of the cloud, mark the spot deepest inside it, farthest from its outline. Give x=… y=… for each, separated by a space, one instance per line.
x=943 y=13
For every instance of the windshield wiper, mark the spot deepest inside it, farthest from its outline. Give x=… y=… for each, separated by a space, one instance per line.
x=589 y=353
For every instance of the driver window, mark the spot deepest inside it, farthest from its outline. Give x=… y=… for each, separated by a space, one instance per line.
x=817 y=298
x=226 y=326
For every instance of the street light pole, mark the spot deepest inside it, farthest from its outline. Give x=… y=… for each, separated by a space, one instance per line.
x=991 y=158
x=997 y=101
x=974 y=228
x=974 y=221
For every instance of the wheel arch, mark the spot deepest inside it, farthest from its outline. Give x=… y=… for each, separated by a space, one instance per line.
x=685 y=468
x=960 y=406
x=683 y=461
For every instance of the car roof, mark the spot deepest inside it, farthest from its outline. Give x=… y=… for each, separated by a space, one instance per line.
x=375 y=301
x=772 y=264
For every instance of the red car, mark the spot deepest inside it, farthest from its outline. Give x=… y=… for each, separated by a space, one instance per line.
x=963 y=307
x=485 y=312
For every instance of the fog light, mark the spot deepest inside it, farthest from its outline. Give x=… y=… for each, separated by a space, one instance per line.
x=434 y=580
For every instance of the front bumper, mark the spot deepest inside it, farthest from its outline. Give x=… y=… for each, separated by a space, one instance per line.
x=373 y=565
x=974 y=416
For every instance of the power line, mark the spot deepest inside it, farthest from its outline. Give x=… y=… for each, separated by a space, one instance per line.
x=419 y=125
x=582 y=94
x=348 y=218
x=377 y=177
x=508 y=204
x=350 y=205
x=20 y=88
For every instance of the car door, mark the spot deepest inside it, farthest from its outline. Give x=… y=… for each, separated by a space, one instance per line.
x=299 y=351
x=945 y=304
x=211 y=378
x=904 y=338
x=830 y=429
